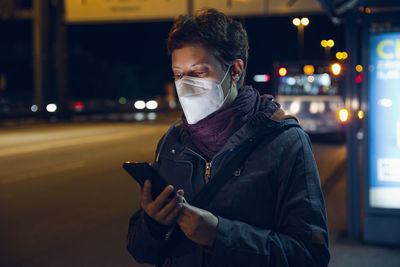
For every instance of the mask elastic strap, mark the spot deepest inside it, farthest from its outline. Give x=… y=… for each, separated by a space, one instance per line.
x=226 y=73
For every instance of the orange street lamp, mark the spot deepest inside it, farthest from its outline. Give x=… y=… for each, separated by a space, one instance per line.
x=305 y=21
x=342 y=55
x=296 y=22
x=327 y=45
x=336 y=69
x=300 y=24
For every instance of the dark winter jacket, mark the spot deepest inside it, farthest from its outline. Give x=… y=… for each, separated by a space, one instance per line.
x=270 y=213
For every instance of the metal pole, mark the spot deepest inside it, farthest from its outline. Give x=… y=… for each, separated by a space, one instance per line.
x=40 y=52
x=190 y=4
x=61 y=60
x=300 y=37
x=353 y=194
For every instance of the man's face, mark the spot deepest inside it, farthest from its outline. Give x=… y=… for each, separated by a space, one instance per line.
x=196 y=61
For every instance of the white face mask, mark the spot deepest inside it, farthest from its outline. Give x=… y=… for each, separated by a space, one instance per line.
x=199 y=97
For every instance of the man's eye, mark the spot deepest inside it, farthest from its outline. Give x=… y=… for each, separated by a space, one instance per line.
x=200 y=73
x=178 y=76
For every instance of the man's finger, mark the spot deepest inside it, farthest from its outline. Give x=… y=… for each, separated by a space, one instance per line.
x=172 y=215
x=184 y=213
x=146 y=192
x=164 y=213
x=139 y=187
x=161 y=198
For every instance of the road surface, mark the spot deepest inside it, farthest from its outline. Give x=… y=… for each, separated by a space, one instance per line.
x=65 y=200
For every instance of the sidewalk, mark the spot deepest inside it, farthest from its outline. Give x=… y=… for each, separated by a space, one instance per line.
x=353 y=253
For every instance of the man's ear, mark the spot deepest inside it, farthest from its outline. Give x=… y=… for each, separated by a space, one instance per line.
x=237 y=69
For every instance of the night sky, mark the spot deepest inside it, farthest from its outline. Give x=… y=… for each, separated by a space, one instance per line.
x=107 y=61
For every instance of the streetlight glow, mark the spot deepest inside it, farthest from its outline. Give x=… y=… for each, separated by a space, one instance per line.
x=324 y=43
x=308 y=69
x=282 y=71
x=360 y=114
x=343 y=114
x=341 y=55
x=330 y=43
x=336 y=69
x=359 y=68
x=296 y=22
x=305 y=21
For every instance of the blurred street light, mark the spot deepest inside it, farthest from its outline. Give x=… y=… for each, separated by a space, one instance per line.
x=296 y=22
x=34 y=108
x=360 y=114
x=122 y=100
x=308 y=69
x=78 y=106
x=51 y=107
x=359 y=68
x=282 y=71
x=261 y=78
x=336 y=69
x=343 y=114
x=305 y=21
x=342 y=55
x=327 y=45
x=300 y=24
x=140 y=104
x=152 y=104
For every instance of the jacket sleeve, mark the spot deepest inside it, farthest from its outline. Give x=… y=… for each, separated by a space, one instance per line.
x=300 y=236
x=146 y=238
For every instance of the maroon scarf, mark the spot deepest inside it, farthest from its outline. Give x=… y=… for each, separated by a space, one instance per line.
x=211 y=133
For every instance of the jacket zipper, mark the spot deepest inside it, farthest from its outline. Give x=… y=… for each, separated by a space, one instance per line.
x=207 y=172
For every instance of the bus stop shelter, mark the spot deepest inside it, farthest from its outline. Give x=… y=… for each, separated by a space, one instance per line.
x=373 y=146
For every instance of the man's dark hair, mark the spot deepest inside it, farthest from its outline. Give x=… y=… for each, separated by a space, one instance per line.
x=221 y=35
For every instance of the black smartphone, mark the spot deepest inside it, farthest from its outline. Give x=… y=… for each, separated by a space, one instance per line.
x=141 y=171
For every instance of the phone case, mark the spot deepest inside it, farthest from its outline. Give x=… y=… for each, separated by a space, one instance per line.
x=141 y=171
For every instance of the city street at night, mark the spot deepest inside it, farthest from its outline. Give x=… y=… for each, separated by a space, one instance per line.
x=88 y=85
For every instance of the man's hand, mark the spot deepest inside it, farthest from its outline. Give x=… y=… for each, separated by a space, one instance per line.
x=162 y=209
x=199 y=225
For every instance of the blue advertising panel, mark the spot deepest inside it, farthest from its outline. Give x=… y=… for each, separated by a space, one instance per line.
x=384 y=120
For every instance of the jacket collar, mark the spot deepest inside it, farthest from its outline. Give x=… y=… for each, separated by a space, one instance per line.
x=258 y=124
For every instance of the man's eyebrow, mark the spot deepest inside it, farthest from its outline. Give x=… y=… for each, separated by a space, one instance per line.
x=194 y=65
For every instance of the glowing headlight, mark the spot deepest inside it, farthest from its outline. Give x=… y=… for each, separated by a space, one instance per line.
x=140 y=104
x=51 y=107
x=152 y=104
